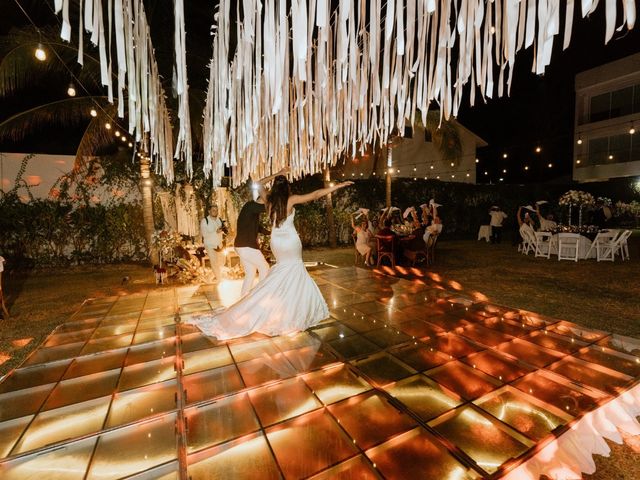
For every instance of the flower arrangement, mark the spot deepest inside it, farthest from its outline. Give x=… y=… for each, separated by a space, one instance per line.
x=165 y=241
x=586 y=230
x=631 y=209
x=607 y=202
x=403 y=228
x=577 y=198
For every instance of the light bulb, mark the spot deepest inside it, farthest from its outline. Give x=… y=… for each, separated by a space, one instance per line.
x=526 y=167
x=40 y=53
x=504 y=155
x=538 y=149
x=93 y=112
x=579 y=141
x=477 y=160
x=107 y=126
x=71 y=91
x=130 y=144
x=632 y=130
x=550 y=165
x=578 y=161
x=117 y=133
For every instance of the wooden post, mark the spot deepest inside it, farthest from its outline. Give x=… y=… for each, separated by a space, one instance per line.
x=388 y=175
x=331 y=224
x=146 y=184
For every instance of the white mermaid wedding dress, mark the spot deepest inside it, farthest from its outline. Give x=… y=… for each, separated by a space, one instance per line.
x=286 y=301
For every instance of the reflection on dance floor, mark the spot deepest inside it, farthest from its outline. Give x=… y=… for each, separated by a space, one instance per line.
x=405 y=380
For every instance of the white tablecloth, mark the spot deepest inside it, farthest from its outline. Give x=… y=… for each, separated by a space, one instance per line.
x=584 y=244
x=484 y=232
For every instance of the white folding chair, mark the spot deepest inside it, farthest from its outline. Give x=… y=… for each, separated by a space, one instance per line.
x=528 y=240
x=603 y=244
x=543 y=244
x=620 y=245
x=568 y=246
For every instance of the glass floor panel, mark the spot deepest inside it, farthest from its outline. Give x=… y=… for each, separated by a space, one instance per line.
x=218 y=422
x=417 y=454
x=484 y=440
x=424 y=397
x=384 y=388
x=369 y=419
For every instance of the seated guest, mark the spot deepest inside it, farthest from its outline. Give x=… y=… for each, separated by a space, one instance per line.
x=526 y=225
x=546 y=224
x=435 y=228
x=415 y=241
x=363 y=237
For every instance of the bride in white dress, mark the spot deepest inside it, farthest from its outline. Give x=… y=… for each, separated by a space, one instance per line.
x=287 y=300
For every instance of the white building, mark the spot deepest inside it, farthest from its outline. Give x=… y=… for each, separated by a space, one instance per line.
x=606 y=143
x=417 y=156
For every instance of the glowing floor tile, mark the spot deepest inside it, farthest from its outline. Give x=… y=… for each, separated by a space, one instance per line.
x=336 y=383
x=530 y=353
x=354 y=346
x=383 y=369
x=556 y=391
x=34 y=376
x=295 y=341
x=100 y=362
x=487 y=442
x=310 y=358
x=51 y=354
x=419 y=329
x=369 y=307
x=206 y=359
x=496 y=365
x=423 y=396
x=506 y=326
x=10 y=431
x=248 y=458
x=262 y=370
x=369 y=419
x=212 y=383
x=23 y=402
x=355 y=468
x=63 y=423
x=81 y=389
x=251 y=350
x=622 y=344
x=333 y=331
x=107 y=343
x=146 y=373
x=453 y=345
x=218 y=422
x=290 y=398
x=418 y=455
x=387 y=337
x=77 y=325
x=66 y=338
x=572 y=330
x=592 y=375
x=447 y=321
x=554 y=342
x=114 y=330
x=620 y=362
x=69 y=462
x=484 y=336
x=307 y=444
x=145 y=335
x=524 y=413
x=420 y=356
x=147 y=445
x=361 y=323
x=151 y=351
x=141 y=403
x=466 y=381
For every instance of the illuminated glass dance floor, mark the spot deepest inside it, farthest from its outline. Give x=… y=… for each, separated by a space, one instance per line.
x=405 y=380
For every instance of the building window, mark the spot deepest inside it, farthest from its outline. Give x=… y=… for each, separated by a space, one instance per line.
x=618 y=103
x=614 y=149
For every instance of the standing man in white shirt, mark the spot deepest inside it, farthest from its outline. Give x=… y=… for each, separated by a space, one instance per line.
x=211 y=229
x=497 y=217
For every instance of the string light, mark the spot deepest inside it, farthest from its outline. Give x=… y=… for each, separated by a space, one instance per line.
x=504 y=155
x=610 y=157
x=107 y=126
x=501 y=179
x=130 y=144
x=578 y=161
x=117 y=133
x=579 y=140
x=71 y=91
x=40 y=53
x=538 y=149
x=632 y=130
x=504 y=170
x=477 y=160
x=93 y=113
x=526 y=167
x=550 y=165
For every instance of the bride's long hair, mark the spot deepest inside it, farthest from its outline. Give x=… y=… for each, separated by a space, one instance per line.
x=277 y=200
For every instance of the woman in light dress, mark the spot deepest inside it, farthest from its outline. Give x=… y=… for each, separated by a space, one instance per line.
x=287 y=300
x=363 y=237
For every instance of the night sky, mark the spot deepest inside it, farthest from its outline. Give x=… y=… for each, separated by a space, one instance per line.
x=539 y=111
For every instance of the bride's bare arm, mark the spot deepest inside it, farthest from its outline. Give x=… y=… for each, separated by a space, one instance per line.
x=262 y=192
x=315 y=195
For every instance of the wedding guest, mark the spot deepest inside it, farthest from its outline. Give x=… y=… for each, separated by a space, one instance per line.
x=212 y=231
x=546 y=224
x=435 y=228
x=363 y=237
x=497 y=217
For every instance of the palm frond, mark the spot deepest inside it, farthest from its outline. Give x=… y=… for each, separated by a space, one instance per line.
x=66 y=113
x=94 y=139
x=19 y=69
x=444 y=134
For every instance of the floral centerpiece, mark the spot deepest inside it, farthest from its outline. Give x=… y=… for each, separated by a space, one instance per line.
x=164 y=241
x=577 y=198
x=607 y=202
x=630 y=210
x=589 y=231
x=403 y=228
